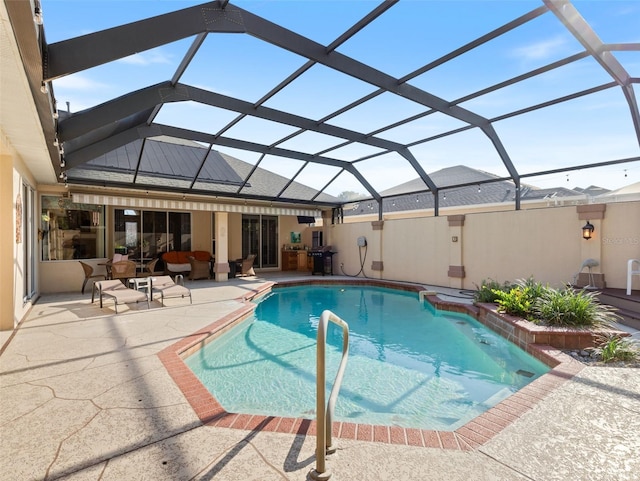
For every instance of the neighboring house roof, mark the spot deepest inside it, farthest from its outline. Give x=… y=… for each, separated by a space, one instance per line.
x=592 y=190
x=631 y=190
x=166 y=161
x=496 y=192
x=458 y=174
x=535 y=193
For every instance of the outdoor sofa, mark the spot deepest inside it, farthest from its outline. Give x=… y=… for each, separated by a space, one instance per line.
x=177 y=262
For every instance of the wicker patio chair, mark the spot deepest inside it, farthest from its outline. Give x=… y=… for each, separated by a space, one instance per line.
x=149 y=268
x=246 y=265
x=123 y=270
x=88 y=274
x=199 y=269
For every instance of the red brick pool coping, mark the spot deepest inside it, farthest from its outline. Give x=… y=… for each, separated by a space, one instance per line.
x=468 y=437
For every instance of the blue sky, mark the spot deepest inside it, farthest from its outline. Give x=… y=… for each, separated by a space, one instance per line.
x=411 y=34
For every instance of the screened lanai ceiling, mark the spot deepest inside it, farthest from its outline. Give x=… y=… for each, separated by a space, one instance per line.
x=322 y=103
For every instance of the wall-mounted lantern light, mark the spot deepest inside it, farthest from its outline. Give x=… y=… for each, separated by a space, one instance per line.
x=587 y=230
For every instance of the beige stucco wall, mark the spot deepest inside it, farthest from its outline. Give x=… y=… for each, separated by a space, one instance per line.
x=620 y=241
x=13 y=174
x=288 y=224
x=201 y=231
x=545 y=243
x=7 y=259
x=66 y=276
x=342 y=239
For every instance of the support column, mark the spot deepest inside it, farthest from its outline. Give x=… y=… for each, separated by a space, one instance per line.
x=456 y=267
x=7 y=239
x=378 y=265
x=221 y=264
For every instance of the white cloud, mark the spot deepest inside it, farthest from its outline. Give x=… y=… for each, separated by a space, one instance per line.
x=77 y=82
x=147 y=58
x=626 y=9
x=539 y=50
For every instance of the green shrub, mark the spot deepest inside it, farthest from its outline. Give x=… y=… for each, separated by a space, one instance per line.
x=539 y=303
x=569 y=307
x=486 y=292
x=611 y=347
x=516 y=302
x=536 y=289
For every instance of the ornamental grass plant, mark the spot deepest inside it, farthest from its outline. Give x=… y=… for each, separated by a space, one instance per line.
x=611 y=347
x=541 y=304
x=572 y=308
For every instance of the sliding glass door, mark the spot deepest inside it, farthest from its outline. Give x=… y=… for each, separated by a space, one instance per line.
x=179 y=230
x=260 y=237
x=251 y=236
x=126 y=238
x=155 y=236
x=28 y=220
x=269 y=231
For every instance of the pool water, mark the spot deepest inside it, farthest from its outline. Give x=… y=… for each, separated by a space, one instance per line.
x=409 y=365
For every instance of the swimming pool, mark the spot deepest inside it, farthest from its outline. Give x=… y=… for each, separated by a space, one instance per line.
x=409 y=365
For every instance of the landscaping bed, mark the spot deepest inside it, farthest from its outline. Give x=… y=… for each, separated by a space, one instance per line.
x=570 y=319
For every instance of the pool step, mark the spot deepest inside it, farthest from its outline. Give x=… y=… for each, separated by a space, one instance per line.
x=498 y=397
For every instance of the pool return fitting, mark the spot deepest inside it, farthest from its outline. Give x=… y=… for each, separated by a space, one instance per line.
x=324 y=414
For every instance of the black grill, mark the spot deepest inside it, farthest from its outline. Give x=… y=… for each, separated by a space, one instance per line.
x=322 y=262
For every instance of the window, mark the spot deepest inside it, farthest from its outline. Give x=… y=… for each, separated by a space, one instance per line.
x=144 y=235
x=70 y=230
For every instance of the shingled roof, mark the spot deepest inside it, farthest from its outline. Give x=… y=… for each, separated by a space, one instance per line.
x=488 y=190
x=168 y=162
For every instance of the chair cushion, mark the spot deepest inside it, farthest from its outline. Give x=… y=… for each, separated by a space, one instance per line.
x=181 y=258
x=117 y=290
x=162 y=281
x=124 y=296
x=114 y=284
x=171 y=257
x=174 y=291
x=168 y=288
x=202 y=255
x=178 y=267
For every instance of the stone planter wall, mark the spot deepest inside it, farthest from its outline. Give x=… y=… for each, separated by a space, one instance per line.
x=519 y=331
x=522 y=332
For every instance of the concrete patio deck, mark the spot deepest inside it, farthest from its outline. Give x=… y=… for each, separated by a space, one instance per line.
x=84 y=396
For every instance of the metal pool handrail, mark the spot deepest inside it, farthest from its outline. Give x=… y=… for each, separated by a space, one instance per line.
x=324 y=415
